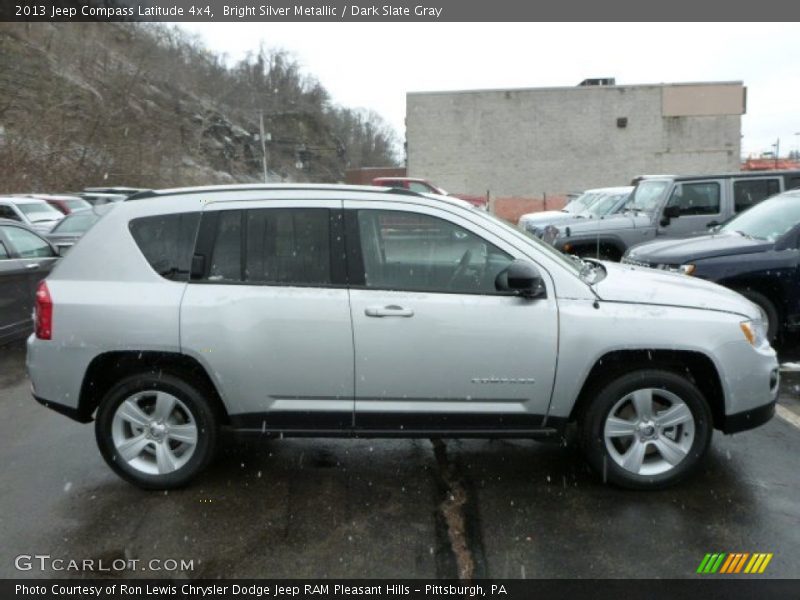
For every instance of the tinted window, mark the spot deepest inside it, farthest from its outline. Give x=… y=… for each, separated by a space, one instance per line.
x=747 y=192
x=3 y=251
x=27 y=244
x=288 y=246
x=226 y=257
x=406 y=251
x=76 y=223
x=167 y=242
x=696 y=198
x=793 y=183
x=6 y=212
x=417 y=186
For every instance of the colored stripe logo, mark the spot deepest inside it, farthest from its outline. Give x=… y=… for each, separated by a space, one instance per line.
x=735 y=562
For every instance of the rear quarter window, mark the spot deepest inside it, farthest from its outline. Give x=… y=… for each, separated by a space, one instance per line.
x=167 y=242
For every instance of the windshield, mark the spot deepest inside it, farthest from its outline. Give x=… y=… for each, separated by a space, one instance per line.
x=544 y=247
x=605 y=204
x=581 y=202
x=77 y=204
x=36 y=211
x=647 y=196
x=76 y=223
x=767 y=220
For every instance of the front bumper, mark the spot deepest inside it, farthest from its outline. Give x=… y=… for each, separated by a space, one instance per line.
x=747 y=419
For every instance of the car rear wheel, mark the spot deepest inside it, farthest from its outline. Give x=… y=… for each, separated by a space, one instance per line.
x=156 y=430
x=646 y=429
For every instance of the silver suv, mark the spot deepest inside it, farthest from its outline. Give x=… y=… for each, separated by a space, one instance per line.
x=355 y=311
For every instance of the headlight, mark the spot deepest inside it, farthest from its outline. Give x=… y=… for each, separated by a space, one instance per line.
x=755 y=332
x=686 y=269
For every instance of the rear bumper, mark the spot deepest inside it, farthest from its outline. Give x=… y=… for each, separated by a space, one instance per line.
x=748 y=419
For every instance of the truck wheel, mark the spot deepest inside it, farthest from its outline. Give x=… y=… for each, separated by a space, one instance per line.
x=646 y=430
x=156 y=430
x=766 y=305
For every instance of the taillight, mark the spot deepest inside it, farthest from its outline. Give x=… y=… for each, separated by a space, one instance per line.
x=44 y=312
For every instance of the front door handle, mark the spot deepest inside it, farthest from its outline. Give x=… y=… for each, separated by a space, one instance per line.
x=391 y=310
x=32 y=266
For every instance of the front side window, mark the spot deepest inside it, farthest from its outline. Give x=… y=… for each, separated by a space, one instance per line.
x=3 y=251
x=167 y=242
x=696 y=198
x=27 y=244
x=415 y=252
x=749 y=192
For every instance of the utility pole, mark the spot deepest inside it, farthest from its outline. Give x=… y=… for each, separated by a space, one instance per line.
x=262 y=137
x=777 y=151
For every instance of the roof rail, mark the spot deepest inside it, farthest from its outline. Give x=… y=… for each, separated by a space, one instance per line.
x=271 y=187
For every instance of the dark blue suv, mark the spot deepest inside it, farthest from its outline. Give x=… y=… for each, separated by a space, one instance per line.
x=756 y=253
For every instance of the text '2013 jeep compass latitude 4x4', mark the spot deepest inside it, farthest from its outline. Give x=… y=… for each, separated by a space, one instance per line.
x=332 y=310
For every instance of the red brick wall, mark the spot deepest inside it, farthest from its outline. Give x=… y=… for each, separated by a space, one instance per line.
x=511 y=209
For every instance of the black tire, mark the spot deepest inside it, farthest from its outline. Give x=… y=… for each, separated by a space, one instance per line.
x=592 y=423
x=773 y=317
x=197 y=403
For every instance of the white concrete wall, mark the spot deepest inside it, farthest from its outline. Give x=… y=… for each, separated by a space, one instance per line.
x=523 y=143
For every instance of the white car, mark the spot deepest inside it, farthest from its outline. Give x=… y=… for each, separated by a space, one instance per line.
x=36 y=214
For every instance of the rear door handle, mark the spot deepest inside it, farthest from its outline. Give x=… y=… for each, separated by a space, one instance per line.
x=391 y=310
x=32 y=266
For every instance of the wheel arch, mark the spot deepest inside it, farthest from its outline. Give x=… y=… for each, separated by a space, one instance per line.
x=698 y=366
x=108 y=368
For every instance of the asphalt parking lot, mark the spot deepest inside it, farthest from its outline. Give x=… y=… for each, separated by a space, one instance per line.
x=390 y=508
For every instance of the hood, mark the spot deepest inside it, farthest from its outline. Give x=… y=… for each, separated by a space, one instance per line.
x=679 y=251
x=543 y=219
x=616 y=222
x=641 y=285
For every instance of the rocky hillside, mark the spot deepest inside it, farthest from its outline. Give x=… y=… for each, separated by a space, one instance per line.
x=146 y=105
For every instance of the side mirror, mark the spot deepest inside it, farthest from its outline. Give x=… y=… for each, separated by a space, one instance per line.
x=669 y=213
x=788 y=241
x=521 y=278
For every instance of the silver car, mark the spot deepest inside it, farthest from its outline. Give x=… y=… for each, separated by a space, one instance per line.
x=369 y=312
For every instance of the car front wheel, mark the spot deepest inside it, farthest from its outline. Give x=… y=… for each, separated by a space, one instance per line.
x=646 y=429
x=156 y=430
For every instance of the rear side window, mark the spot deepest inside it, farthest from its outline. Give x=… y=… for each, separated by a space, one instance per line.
x=748 y=192
x=167 y=242
x=27 y=244
x=288 y=246
x=283 y=246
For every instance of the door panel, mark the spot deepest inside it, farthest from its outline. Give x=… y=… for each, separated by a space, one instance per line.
x=443 y=350
x=269 y=316
x=16 y=301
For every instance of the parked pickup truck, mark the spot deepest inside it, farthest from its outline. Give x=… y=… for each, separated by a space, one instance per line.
x=672 y=206
x=426 y=187
x=277 y=310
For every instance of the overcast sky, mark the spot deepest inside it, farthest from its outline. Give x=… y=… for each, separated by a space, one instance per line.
x=373 y=65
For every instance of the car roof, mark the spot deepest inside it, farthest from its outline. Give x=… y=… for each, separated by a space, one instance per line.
x=611 y=190
x=53 y=197
x=21 y=200
x=737 y=174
